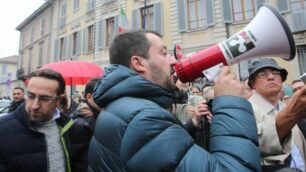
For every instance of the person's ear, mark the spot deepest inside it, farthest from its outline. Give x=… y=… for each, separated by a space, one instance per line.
x=138 y=64
x=88 y=96
x=252 y=84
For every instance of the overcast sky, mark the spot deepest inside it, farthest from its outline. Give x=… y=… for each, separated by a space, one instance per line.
x=12 y=13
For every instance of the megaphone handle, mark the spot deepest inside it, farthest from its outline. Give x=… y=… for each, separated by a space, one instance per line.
x=212 y=73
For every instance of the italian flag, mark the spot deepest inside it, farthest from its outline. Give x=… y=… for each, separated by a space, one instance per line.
x=123 y=21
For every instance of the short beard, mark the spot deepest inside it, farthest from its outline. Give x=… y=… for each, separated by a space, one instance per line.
x=157 y=76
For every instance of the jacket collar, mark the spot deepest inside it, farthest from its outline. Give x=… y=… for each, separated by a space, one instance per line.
x=264 y=105
x=22 y=115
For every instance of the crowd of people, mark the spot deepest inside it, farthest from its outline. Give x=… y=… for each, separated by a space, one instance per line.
x=139 y=116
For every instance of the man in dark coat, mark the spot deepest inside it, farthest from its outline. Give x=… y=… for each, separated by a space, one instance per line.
x=36 y=136
x=136 y=131
x=18 y=98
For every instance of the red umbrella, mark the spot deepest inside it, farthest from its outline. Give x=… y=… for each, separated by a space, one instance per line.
x=75 y=72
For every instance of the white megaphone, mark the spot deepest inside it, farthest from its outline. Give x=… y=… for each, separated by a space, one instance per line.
x=267 y=34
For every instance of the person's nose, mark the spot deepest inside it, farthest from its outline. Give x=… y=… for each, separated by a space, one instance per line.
x=35 y=104
x=270 y=75
x=172 y=59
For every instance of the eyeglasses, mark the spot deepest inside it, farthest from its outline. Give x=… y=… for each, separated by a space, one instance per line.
x=265 y=74
x=44 y=99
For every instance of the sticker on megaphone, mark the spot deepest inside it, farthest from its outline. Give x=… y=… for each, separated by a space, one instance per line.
x=212 y=73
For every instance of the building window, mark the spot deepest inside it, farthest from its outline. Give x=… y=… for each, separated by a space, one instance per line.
x=4 y=69
x=90 y=44
x=298 y=5
x=62 y=48
x=21 y=43
x=74 y=43
x=243 y=9
x=30 y=60
x=298 y=15
x=90 y=6
x=196 y=14
x=301 y=50
x=32 y=34
x=147 y=17
x=20 y=60
x=42 y=27
x=76 y=5
x=109 y=30
x=40 y=53
x=62 y=19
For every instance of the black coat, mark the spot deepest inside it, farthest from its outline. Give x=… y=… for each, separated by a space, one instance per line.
x=14 y=105
x=23 y=149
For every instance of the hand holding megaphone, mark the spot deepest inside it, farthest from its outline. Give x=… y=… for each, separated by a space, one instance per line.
x=267 y=34
x=227 y=79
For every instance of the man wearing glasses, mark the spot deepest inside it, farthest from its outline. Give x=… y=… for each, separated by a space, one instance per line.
x=18 y=98
x=35 y=137
x=281 y=142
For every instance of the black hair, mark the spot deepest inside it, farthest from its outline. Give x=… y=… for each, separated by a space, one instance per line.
x=53 y=75
x=19 y=88
x=128 y=44
x=90 y=86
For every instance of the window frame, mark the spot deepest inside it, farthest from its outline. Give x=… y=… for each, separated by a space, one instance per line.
x=242 y=10
x=301 y=53
x=197 y=14
x=147 y=16
x=109 y=32
x=76 y=5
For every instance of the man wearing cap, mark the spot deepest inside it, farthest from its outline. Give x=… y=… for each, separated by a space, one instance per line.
x=281 y=142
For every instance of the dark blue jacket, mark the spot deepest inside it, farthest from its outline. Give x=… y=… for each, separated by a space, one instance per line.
x=136 y=132
x=23 y=149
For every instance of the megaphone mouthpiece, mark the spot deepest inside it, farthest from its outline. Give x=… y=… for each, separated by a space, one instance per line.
x=188 y=69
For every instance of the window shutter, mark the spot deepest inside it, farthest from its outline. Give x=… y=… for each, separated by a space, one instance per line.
x=70 y=47
x=85 y=40
x=158 y=20
x=210 y=12
x=227 y=11
x=78 y=44
x=181 y=12
x=100 y=34
x=56 y=50
x=283 y=6
x=66 y=47
x=116 y=25
x=136 y=18
x=299 y=21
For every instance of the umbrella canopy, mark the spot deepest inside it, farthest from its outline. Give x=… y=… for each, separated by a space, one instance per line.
x=75 y=72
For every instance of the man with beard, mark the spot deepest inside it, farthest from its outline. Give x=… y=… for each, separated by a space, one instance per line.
x=280 y=140
x=137 y=132
x=35 y=137
x=18 y=98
